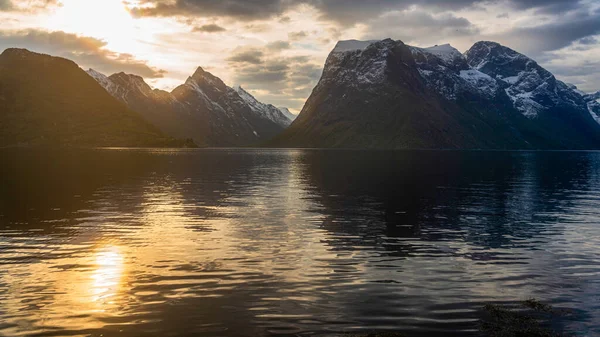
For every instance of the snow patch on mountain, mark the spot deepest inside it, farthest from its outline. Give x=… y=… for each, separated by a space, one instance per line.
x=102 y=79
x=484 y=83
x=192 y=83
x=368 y=70
x=445 y=52
x=267 y=110
x=288 y=113
x=594 y=110
x=352 y=45
x=487 y=69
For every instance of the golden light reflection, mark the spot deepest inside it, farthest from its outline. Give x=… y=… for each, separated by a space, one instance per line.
x=106 y=278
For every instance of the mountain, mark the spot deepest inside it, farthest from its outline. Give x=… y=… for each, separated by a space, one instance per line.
x=47 y=100
x=288 y=114
x=593 y=103
x=203 y=109
x=385 y=94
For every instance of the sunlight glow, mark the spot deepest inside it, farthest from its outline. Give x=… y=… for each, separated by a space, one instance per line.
x=108 y=20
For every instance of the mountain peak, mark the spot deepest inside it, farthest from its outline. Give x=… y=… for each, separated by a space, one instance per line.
x=202 y=76
x=352 y=45
x=16 y=51
x=445 y=52
x=487 y=44
x=288 y=113
x=199 y=72
x=30 y=56
x=495 y=59
x=131 y=81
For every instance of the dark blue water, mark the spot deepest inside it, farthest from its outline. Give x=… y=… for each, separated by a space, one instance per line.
x=297 y=242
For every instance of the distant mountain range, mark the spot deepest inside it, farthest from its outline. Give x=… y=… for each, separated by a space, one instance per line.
x=203 y=109
x=385 y=94
x=372 y=94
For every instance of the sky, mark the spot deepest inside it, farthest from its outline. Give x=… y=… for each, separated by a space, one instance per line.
x=276 y=49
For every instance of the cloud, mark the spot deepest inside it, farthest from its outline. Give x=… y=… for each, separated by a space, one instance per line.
x=577 y=63
x=419 y=26
x=295 y=36
x=246 y=55
x=278 y=45
x=346 y=12
x=5 y=5
x=210 y=28
x=85 y=51
x=553 y=35
x=27 y=5
x=547 y=6
x=247 y=10
x=283 y=80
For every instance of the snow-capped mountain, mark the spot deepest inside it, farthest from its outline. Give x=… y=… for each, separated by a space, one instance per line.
x=277 y=115
x=531 y=88
x=203 y=109
x=391 y=95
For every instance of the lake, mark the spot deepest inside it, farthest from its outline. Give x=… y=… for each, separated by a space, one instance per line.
x=246 y=242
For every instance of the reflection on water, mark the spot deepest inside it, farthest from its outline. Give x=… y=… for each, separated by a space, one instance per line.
x=275 y=242
x=106 y=277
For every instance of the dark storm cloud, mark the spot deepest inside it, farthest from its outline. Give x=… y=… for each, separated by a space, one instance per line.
x=85 y=51
x=239 y=9
x=548 y=6
x=211 y=28
x=553 y=35
x=420 y=26
x=342 y=11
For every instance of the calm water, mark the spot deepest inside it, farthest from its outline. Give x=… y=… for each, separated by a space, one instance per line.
x=296 y=242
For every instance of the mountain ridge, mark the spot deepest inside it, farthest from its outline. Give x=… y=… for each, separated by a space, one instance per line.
x=490 y=97
x=203 y=108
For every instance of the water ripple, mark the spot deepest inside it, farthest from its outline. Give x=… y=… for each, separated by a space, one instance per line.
x=292 y=242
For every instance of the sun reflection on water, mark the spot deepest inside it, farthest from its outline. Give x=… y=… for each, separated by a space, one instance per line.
x=107 y=275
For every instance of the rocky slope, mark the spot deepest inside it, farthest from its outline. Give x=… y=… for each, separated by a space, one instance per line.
x=203 y=108
x=385 y=94
x=50 y=101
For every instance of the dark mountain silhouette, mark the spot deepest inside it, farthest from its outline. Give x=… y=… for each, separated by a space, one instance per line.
x=47 y=100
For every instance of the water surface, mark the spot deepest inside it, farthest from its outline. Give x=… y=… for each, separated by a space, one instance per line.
x=121 y=242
